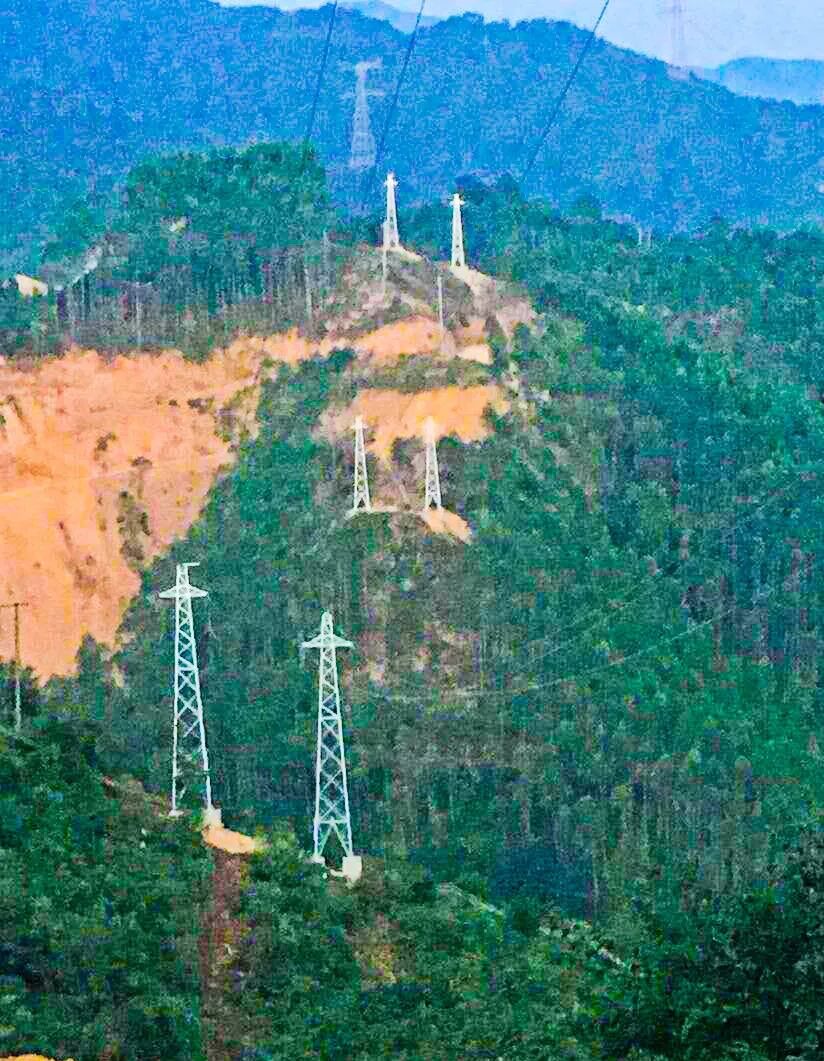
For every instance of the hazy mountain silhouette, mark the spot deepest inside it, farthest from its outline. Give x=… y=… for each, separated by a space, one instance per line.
x=798 y=80
x=91 y=86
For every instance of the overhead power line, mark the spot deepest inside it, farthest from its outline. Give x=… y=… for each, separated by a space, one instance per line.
x=310 y=127
x=391 y=113
x=560 y=101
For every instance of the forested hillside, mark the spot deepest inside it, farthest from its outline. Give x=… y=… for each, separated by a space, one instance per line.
x=87 y=89
x=606 y=703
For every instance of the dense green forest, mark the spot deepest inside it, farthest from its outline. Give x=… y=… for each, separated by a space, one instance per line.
x=105 y=83
x=608 y=706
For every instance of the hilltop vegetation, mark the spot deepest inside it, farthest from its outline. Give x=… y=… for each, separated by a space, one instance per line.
x=103 y=82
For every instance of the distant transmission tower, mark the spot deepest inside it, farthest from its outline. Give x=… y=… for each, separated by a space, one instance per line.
x=458 y=257
x=190 y=761
x=433 y=479
x=362 y=155
x=331 y=791
x=391 y=239
x=362 y=501
x=678 y=50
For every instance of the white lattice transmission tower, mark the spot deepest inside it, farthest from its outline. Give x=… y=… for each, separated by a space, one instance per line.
x=331 y=790
x=458 y=256
x=391 y=238
x=361 y=501
x=362 y=154
x=432 y=496
x=678 y=51
x=190 y=759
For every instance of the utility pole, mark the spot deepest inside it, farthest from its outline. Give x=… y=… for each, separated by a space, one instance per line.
x=362 y=501
x=677 y=46
x=327 y=269
x=331 y=790
x=391 y=239
x=433 y=480
x=18 y=707
x=384 y=250
x=189 y=755
x=362 y=156
x=440 y=308
x=458 y=257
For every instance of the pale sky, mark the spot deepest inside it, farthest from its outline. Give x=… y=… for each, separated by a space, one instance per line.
x=714 y=30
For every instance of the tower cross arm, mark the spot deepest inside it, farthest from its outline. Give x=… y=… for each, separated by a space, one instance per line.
x=324 y=641
x=190 y=591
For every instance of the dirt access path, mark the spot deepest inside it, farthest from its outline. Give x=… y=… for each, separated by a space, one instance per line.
x=219 y=936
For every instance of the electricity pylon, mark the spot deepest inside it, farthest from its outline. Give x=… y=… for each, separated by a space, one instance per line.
x=677 y=47
x=362 y=155
x=331 y=791
x=391 y=238
x=458 y=257
x=433 y=480
x=189 y=755
x=362 y=502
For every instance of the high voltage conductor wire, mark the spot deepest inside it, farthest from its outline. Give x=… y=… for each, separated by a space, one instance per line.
x=565 y=90
x=310 y=127
x=385 y=131
x=488 y=694
x=641 y=590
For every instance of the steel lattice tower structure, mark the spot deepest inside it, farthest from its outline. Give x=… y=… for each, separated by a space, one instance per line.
x=331 y=791
x=362 y=502
x=190 y=760
x=362 y=155
x=391 y=238
x=677 y=46
x=458 y=257
x=433 y=479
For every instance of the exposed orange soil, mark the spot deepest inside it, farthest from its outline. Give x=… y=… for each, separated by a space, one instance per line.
x=29 y=1057
x=288 y=348
x=445 y=522
x=385 y=345
x=77 y=433
x=473 y=332
x=415 y=335
x=390 y=415
x=229 y=841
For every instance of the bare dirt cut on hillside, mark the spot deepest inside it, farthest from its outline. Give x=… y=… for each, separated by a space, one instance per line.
x=229 y=841
x=105 y=462
x=391 y=415
x=30 y=1057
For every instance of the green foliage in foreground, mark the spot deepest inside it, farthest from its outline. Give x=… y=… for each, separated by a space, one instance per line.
x=99 y=904
x=740 y=978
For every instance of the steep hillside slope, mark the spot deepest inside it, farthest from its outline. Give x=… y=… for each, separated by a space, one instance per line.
x=104 y=83
x=105 y=462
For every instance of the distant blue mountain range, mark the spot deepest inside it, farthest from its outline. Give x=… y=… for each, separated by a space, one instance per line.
x=88 y=88
x=401 y=20
x=798 y=80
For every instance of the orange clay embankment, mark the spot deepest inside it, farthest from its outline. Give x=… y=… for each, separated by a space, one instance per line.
x=29 y=1057
x=103 y=464
x=390 y=415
